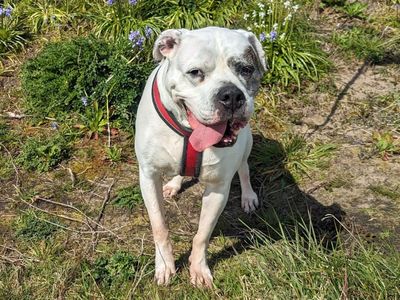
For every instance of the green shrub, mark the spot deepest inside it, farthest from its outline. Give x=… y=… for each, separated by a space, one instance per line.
x=42 y=154
x=32 y=225
x=291 y=54
x=55 y=82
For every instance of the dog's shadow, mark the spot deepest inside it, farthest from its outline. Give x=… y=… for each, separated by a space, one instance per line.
x=284 y=207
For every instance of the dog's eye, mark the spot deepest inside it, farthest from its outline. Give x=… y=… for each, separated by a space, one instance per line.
x=246 y=70
x=195 y=73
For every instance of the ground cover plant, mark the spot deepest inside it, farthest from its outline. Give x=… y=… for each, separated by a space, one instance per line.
x=325 y=161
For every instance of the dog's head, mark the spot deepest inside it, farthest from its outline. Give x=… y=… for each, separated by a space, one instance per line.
x=213 y=73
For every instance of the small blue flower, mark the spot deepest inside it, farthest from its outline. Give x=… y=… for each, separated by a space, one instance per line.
x=54 y=125
x=1 y=10
x=110 y=2
x=132 y=2
x=84 y=101
x=7 y=11
x=273 y=35
x=148 y=31
x=262 y=37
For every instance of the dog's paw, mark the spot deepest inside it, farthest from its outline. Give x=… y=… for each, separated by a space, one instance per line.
x=170 y=191
x=163 y=273
x=172 y=187
x=200 y=275
x=249 y=202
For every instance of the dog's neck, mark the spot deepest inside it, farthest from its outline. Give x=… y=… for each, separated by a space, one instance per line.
x=166 y=97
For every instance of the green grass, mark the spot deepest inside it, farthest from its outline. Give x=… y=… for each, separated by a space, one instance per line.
x=383 y=190
x=295 y=267
x=364 y=43
x=293 y=154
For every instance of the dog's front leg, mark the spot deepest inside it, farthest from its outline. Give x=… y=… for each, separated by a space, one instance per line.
x=151 y=187
x=214 y=201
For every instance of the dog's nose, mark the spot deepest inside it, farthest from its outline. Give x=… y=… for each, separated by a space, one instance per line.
x=231 y=97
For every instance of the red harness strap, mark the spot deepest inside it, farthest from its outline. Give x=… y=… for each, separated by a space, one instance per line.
x=191 y=159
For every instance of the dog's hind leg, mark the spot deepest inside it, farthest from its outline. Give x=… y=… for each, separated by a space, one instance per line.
x=172 y=187
x=249 y=197
x=151 y=187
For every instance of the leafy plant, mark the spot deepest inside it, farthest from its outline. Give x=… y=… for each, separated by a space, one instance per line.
x=44 y=15
x=43 y=154
x=56 y=80
x=114 y=153
x=13 y=33
x=386 y=144
x=116 y=19
x=355 y=9
x=128 y=197
x=94 y=120
x=364 y=43
x=201 y=13
x=32 y=225
x=290 y=58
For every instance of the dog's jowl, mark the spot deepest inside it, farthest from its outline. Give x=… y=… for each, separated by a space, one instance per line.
x=193 y=121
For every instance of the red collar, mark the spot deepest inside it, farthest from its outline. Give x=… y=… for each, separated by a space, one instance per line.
x=191 y=159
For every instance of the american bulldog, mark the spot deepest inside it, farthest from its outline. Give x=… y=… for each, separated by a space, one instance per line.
x=192 y=120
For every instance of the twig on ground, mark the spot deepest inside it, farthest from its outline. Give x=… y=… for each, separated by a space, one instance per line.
x=101 y=213
x=88 y=219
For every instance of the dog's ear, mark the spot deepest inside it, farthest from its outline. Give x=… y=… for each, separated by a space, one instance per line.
x=167 y=43
x=255 y=43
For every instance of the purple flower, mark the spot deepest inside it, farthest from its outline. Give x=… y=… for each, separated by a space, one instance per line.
x=148 y=31
x=134 y=35
x=132 y=2
x=54 y=125
x=273 y=35
x=84 y=101
x=262 y=37
x=6 y=11
x=137 y=39
x=139 y=42
x=110 y=2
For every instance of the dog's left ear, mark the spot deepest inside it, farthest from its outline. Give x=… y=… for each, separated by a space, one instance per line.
x=167 y=43
x=255 y=43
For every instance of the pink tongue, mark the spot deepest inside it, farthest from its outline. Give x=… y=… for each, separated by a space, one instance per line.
x=204 y=136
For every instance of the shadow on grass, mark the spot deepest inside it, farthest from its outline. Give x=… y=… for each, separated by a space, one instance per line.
x=284 y=207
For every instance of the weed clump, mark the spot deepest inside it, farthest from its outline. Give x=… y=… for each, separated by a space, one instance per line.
x=42 y=154
x=121 y=266
x=128 y=197
x=34 y=226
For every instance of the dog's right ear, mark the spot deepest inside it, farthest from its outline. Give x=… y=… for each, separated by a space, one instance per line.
x=167 y=43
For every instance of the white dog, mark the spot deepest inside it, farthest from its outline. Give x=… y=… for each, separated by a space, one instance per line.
x=192 y=120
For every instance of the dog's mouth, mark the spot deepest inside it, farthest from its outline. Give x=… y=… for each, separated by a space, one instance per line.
x=221 y=134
